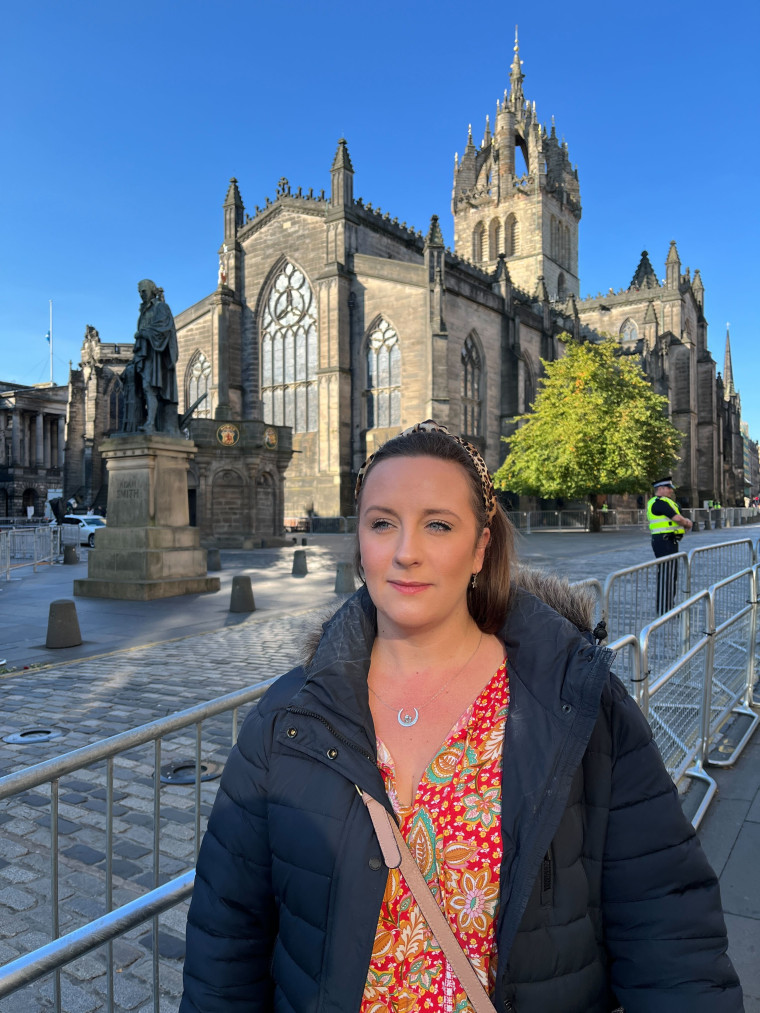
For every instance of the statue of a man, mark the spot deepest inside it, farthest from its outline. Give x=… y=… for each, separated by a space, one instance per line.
x=155 y=358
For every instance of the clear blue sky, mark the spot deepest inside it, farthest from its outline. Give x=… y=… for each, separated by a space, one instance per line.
x=122 y=124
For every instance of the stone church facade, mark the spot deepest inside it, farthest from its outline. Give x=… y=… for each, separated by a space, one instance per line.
x=333 y=325
x=345 y=325
x=663 y=323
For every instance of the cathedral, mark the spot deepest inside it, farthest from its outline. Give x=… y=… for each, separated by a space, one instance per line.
x=333 y=325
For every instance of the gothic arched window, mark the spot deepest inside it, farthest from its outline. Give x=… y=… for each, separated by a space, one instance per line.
x=116 y=407
x=197 y=382
x=512 y=233
x=561 y=287
x=478 y=243
x=289 y=352
x=629 y=331
x=494 y=239
x=554 y=239
x=383 y=394
x=471 y=372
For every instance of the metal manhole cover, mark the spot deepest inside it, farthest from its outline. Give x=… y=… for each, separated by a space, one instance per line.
x=183 y=771
x=27 y=735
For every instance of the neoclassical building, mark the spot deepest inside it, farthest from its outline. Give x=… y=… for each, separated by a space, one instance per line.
x=32 y=440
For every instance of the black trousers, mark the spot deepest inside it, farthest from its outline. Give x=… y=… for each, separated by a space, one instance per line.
x=667 y=575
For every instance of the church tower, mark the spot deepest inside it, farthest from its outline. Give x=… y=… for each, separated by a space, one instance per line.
x=517 y=194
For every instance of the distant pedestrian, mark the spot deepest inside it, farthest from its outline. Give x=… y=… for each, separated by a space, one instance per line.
x=666 y=526
x=448 y=706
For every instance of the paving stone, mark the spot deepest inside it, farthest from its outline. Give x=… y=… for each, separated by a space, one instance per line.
x=17 y=900
x=170 y=946
x=125 y=869
x=91 y=909
x=128 y=849
x=83 y=853
x=102 y=794
x=146 y=879
x=738 y=883
x=30 y=798
x=76 y=784
x=73 y=798
x=17 y=874
x=177 y=815
x=73 y=998
x=128 y=992
x=125 y=953
x=64 y=826
x=88 y=967
x=99 y=806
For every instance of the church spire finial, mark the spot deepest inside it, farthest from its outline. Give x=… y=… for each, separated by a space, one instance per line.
x=516 y=78
x=728 y=368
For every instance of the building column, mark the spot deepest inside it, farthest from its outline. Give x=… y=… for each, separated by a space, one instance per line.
x=46 y=439
x=16 y=461
x=39 y=439
x=61 y=441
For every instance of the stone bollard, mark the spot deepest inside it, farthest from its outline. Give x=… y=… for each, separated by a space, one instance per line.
x=241 y=599
x=63 y=625
x=344 y=579
x=213 y=560
x=299 y=563
x=303 y=541
x=70 y=554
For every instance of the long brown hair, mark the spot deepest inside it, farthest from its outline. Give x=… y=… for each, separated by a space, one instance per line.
x=487 y=601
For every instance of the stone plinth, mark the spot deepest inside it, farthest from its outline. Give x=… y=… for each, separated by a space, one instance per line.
x=147 y=549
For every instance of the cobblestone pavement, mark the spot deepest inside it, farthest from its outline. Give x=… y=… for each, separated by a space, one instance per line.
x=92 y=698
x=88 y=700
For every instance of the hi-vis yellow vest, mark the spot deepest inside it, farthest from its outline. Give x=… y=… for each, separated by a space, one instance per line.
x=658 y=523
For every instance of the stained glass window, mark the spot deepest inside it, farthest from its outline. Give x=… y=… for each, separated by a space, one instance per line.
x=198 y=380
x=289 y=352
x=383 y=396
x=471 y=369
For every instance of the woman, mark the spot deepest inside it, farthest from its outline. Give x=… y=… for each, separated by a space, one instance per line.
x=521 y=774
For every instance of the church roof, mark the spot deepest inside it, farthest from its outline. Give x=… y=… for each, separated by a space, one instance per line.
x=644 y=276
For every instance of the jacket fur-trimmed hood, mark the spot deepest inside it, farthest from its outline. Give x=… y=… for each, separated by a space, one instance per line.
x=574 y=603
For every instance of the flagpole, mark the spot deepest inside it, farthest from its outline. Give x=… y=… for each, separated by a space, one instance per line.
x=51 y=342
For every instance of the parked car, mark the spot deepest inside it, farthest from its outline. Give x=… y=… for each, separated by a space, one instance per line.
x=87 y=525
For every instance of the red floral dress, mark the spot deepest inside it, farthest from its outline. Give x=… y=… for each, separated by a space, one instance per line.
x=453 y=831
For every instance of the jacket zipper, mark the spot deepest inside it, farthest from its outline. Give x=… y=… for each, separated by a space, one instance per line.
x=547 y=879
x=329 y=727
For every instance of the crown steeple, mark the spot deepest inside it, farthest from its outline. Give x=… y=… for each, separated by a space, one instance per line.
x=516 y=195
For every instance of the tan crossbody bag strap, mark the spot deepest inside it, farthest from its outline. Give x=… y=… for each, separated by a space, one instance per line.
x=397 y=855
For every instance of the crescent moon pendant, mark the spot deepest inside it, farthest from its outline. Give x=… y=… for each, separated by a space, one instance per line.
x=406 y=720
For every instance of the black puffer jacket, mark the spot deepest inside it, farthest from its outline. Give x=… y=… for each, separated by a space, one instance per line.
x=606 y=897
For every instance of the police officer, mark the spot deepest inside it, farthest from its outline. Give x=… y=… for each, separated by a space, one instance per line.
x=667 y=527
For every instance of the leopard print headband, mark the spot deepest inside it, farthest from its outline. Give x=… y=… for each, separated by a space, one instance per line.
x=429 y=426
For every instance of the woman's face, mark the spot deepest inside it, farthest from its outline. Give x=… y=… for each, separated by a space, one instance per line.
x=419 y=542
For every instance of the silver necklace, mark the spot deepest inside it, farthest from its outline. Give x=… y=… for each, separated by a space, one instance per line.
x=409 y=716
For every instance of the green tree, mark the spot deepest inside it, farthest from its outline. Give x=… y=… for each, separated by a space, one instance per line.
x=596 y=427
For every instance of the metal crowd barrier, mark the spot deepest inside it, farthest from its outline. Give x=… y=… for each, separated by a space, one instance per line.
x=693 y=670
x=689 y=669
x=35 y=545
x=62 y=949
